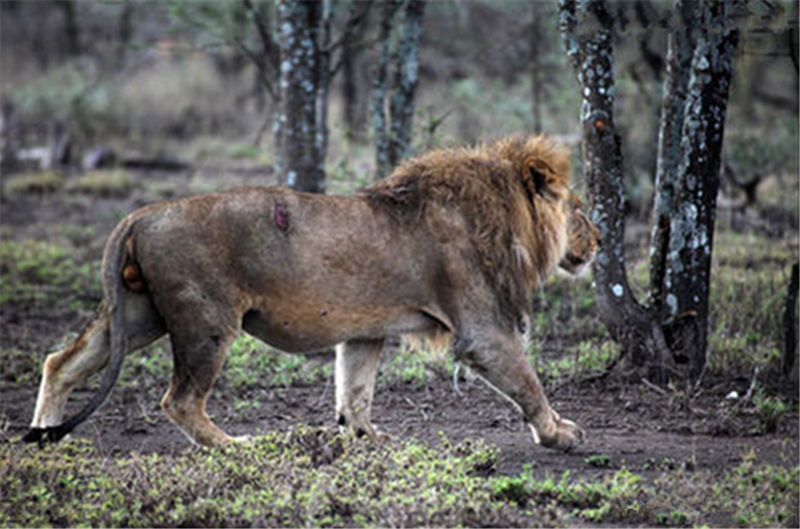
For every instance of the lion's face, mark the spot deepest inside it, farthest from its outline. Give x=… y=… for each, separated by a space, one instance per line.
x=582 y=237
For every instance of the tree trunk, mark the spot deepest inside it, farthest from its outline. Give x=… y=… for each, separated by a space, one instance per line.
x=323 y=87
x=299 y=145
x=790 y=326
x=380 y=89
x=680 y=47
x=535 y=36
x=354 y=126
x=588 y=38
x=393 y=139
x=405 y=82
x=71 y=33
x=124 y=32
x=687 y=280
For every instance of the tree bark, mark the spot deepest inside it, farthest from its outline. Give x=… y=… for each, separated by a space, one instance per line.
x=353 y=110
x=680 y=48
x=380 y=89
x=687 y=280
x=535 y=36
x=299 y=144
x=71 y=32
x=354 y=126
x=405 y=82
x=587 y=29
x=790 y=325
x=124 y=32
x=393 y=132
x=324 y=83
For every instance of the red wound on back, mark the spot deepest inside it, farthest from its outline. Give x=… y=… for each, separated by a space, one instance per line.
x=281 y=217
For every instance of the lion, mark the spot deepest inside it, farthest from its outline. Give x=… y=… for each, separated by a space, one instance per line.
x=453 y=243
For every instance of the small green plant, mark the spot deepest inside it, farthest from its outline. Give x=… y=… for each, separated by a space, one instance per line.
x=598 y=461
x=39 y=182
x=245 y=405
x=770 y=410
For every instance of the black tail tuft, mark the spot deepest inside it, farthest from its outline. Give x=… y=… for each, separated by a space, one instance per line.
x=52 y=434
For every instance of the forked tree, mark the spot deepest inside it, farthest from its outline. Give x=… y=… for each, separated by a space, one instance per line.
x=668 y=336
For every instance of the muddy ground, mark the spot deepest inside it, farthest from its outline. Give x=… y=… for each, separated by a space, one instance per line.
x=633 y=425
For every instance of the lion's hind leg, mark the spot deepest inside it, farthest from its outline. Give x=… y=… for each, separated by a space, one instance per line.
x=66 y=369
x=356 y=371
x=69 y=367
x=197 y=360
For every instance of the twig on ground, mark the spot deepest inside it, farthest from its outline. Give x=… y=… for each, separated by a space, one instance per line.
x=418 y=408
x=655 y=388
x=456 y=369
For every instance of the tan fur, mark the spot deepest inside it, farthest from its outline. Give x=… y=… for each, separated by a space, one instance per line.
x=451 y=247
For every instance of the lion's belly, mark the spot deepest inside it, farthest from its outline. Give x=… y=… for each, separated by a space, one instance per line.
x=294 y=328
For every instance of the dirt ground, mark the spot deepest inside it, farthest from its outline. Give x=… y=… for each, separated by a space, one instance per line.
x=633 y=425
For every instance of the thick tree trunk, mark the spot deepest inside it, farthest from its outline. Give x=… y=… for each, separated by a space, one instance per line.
x=588 y=38
x=299 y=144
x=687 y=280
x=680 y=48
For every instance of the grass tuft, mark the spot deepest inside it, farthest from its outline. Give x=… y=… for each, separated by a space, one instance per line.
x=115 y=183
x=38 y=182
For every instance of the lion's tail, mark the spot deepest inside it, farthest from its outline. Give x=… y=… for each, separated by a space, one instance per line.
x=114 y=295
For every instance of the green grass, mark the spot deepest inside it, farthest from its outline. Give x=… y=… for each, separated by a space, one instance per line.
x=40 y=182
x=211 y=148
x=44 y=274
x=414 y=365
x=115 y=183
x=250 y=364
x=309 y=477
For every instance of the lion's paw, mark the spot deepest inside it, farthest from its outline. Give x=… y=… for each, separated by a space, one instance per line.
x=567 y=435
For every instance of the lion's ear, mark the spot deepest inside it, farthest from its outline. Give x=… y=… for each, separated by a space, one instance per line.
x=539 y=181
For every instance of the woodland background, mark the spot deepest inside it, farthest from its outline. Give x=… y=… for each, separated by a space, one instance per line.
x=107 y=106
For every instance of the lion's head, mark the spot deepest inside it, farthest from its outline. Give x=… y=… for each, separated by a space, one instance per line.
x=582 y=238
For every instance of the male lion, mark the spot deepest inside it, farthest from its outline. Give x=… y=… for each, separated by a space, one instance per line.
x=453 y=242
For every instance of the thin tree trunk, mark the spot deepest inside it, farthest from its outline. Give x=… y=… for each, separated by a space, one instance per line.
x=535 y=36
x=380 y=89
x=405 y=82
x=299 y=82
x=124 y=32
x=350 y=95
x=790 y=326
x=323 y=87
x=680 y=47
x=71 y=32
x=691 y=233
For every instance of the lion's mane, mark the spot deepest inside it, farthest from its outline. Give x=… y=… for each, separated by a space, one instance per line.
x=517 y=230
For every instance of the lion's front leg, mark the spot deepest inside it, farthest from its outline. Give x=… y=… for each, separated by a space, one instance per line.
x=356 y=371
x=499 y=359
